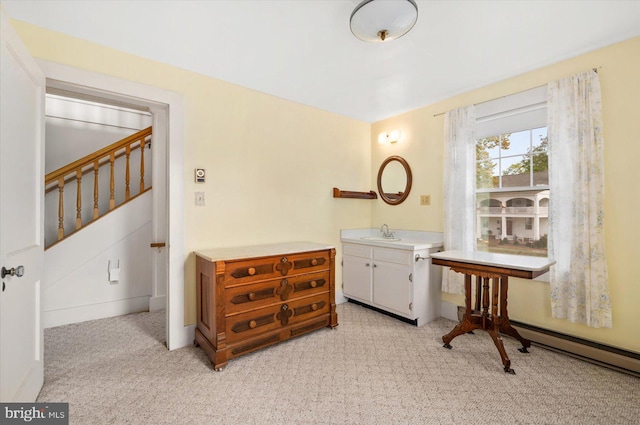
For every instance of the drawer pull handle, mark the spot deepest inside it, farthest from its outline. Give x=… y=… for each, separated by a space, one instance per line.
x=251 y=271
x=284 y=259
x=314 y=306
x=367 y=265
x=252 y=296
x=314 y=262
x=252 y=324
x=313 y=283
x=284 y=315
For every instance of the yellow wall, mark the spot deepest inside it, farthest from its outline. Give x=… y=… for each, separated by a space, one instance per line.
x=619 y=72
x=271 y=164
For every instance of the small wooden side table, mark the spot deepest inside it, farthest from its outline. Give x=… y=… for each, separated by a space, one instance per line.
x=492 y=272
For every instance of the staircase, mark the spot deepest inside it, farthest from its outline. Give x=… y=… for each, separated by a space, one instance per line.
x=113 y=167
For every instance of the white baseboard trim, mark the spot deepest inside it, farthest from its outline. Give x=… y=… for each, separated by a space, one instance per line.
x=185 y=338
x=449 y=310
x=66 y=316
x=158 y=303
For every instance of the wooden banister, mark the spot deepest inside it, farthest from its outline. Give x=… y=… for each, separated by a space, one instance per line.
x=93 y=162
x=97 y=155
x=96 y=166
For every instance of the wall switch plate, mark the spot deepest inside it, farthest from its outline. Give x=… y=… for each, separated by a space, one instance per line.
x=425 y=199
x=199 y=199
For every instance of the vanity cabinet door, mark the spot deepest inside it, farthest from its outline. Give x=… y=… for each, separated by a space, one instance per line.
x=392 y=288
x=356 y=277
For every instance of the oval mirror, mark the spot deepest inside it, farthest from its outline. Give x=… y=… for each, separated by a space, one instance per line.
x=394 y=180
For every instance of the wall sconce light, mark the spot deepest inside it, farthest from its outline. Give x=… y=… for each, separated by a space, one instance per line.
x=392 y=136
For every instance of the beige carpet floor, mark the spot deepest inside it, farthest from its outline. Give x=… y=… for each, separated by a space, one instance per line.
x=372 y=369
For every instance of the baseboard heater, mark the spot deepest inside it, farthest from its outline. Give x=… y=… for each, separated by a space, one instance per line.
x=601 y=354
x=604 y=355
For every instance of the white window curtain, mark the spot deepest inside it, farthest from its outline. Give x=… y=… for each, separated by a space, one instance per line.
x=579 y=288
x=459 y=189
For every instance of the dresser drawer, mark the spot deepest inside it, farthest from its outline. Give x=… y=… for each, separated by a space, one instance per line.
x=238 y=272
x=256 y=295
x=245 y=325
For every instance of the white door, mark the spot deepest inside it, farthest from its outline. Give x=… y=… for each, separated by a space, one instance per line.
x=22 y=90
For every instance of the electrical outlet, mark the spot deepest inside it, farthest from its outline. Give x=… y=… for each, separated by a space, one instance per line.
x=425 y=199
x=199 y=199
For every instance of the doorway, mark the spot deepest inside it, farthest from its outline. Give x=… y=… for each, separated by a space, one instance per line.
x=104 y=268
x=167 y=111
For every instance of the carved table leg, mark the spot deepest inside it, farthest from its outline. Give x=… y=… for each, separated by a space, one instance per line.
x=463 y=327
x=497 y=340
x=466 y=325
x=494 y=329
x=505 y=325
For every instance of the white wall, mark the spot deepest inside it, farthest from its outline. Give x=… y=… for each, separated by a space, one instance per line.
x=76 y=285
x=75 y=128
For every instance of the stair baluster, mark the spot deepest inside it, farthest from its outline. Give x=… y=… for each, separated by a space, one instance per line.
x=142 y=166
x=60 y=208
x=96 y=211
x=79 y=199
x=75 y=171
x=127 y=191
x=112 y=184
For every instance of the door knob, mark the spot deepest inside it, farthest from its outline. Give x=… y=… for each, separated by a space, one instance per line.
x=14 y=271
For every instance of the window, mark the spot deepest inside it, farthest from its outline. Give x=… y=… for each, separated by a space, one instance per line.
x=512 y=177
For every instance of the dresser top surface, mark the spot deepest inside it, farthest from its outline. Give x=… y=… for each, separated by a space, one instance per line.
x=252 y=251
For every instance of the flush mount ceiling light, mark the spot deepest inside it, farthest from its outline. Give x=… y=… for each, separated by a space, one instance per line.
x=383 y=20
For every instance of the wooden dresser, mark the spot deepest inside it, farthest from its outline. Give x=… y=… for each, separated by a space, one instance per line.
x=252 y=297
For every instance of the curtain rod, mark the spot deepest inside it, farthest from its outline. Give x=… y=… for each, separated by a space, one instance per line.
x=521 y=91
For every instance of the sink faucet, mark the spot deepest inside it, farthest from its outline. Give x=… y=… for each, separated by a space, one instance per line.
x=385 y=231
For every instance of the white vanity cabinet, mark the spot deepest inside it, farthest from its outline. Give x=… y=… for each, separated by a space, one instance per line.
x=392 y=280
x=357 y=272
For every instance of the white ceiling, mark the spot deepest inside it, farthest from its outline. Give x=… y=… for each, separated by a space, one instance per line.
x=304 y=50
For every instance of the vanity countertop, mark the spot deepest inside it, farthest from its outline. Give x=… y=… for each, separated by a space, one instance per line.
x=411 y=240
x=252 y=251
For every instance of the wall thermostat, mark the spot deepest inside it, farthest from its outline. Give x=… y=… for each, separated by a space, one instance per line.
x=199 y=175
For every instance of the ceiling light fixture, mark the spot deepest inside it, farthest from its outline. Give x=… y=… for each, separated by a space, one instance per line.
x=383 y=20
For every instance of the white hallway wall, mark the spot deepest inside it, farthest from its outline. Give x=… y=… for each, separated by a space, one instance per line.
x=76 y=286
x=75 y=128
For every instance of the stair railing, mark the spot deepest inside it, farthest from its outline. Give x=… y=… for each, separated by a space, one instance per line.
x=93 y=162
